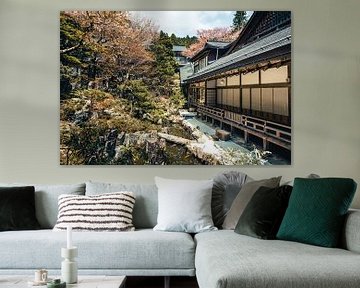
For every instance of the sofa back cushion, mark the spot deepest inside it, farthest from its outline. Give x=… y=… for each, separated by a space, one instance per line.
x=146 y=204
x=46 y=200
x=350 y=238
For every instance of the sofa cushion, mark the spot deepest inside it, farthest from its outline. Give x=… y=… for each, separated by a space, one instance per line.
x=317 y=209
x=46 y=200
x=225 y=189
x=243 y=198
x=105 y=212
x=17 y=208
x=225 y=259
x=350 y=239
x=184 y=205
x=142 y=249
x=263 y=215
x=146 y=205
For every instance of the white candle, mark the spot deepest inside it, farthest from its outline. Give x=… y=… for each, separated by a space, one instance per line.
x=69 y=237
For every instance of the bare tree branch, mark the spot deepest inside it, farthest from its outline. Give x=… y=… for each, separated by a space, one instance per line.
x=67 y=50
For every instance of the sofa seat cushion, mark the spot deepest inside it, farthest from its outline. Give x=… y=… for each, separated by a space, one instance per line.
x=141 y=249
x=225 y=259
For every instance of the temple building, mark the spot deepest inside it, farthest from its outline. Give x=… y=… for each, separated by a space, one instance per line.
x=180 y=59
x=246 y=85
x=211 y=52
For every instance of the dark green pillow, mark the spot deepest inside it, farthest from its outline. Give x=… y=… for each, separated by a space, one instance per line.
x=264 y=212
x=17 y=208
x=316 y=211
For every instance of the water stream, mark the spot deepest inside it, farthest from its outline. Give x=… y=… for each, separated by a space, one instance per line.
x=235 y=142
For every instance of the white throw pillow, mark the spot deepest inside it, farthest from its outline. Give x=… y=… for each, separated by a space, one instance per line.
x=105 y=212
x=184 y=205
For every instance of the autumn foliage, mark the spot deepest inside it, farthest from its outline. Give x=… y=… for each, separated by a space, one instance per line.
x=118 y=44
x=117 y=77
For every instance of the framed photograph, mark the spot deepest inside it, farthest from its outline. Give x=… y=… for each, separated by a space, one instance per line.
x=175 y=88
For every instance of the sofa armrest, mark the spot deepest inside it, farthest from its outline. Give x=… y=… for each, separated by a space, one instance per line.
x=351 y=234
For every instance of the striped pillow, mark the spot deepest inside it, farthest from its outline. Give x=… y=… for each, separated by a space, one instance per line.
x=105 y=212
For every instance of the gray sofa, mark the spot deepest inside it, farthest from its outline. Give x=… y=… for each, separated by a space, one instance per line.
x=219 y=259
x=226 y=259
x=143 y=252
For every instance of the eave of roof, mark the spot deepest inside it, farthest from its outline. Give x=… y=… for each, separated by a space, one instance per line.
x=216 y=44
x=211 y=45
x=273 y=41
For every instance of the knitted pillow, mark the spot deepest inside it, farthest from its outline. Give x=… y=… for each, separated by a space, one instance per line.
x=105 y=212
x=317 y=210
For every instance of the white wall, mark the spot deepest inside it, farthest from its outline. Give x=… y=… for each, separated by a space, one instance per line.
x=326 y=91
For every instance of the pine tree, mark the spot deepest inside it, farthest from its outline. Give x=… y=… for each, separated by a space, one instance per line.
x=239 y=20
x=174 y=39
x=73 y=55
x=165 y=63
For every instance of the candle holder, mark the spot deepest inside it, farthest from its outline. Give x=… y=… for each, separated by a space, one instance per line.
x=69 y=271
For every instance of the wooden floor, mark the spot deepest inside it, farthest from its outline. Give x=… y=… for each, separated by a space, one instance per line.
x=158 y=282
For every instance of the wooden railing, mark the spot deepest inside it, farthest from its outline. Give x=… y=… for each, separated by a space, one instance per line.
x=271 y=129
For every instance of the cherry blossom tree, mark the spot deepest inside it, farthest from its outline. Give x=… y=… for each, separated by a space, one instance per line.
x=221 y=34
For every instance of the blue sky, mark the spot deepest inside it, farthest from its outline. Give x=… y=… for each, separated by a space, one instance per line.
x=183 y=23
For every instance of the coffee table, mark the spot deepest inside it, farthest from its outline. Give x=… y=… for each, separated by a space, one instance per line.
x=83 y=282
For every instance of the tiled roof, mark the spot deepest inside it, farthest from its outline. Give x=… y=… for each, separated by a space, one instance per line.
x=186 y=71
x=178 y=48
x=276 y=40
x=212 y=45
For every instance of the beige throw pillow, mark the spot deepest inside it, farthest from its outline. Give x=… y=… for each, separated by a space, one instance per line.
x=243 y=198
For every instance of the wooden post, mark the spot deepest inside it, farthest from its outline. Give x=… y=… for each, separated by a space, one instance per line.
x=265 y=144
x=166 y=281
x=246 y=136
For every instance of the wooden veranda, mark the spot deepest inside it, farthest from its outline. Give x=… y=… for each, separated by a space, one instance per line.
x=267 y=131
